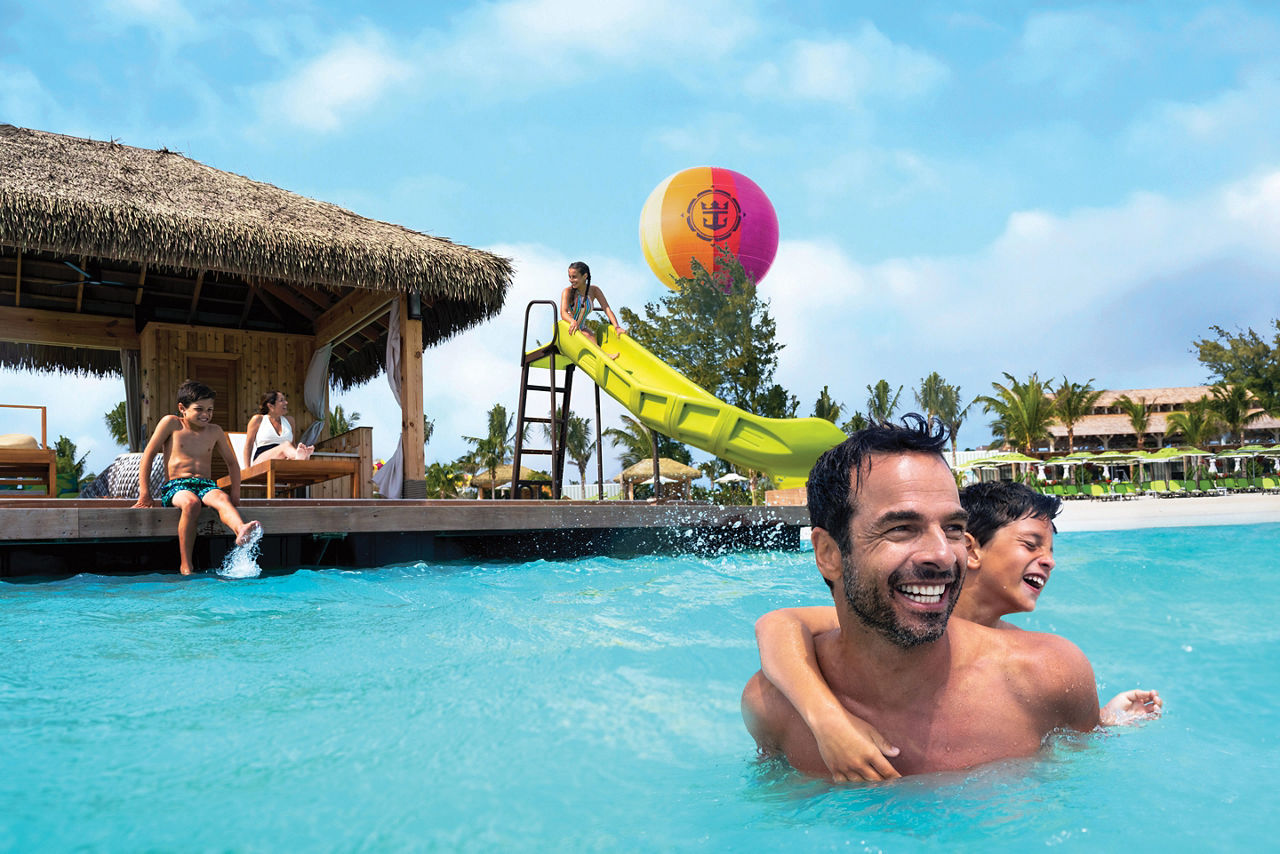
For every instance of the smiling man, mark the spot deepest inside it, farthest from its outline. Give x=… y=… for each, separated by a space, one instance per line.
x=889 y=540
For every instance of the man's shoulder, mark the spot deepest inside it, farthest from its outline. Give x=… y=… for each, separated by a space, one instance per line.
x=1053 y=673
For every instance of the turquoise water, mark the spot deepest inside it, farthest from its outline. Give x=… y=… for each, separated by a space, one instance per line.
x=593 y=705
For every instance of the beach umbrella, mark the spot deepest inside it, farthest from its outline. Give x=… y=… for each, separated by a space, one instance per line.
x=731 y=477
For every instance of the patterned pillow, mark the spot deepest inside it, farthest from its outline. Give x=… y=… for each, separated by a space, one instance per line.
x=120 y=479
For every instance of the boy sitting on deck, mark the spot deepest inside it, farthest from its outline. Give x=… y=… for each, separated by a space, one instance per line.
x=1010 y=545
x=187 y=441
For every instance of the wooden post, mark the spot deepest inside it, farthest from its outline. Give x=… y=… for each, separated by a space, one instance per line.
x=414 y=442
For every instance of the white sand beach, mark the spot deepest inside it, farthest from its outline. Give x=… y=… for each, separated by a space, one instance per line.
x=1151 y=512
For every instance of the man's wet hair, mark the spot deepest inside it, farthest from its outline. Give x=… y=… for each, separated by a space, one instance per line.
x=836 y=477
x=192 y=390
x=993 y=505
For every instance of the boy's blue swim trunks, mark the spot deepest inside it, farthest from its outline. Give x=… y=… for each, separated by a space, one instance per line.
x=198 y=485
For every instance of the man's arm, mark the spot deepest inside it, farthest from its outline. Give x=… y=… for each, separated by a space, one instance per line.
x=778 y=729
x=851 y=748
x=154 y=446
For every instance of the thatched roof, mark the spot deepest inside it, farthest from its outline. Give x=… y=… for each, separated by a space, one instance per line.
x=668 y=469
x=502 y=474
x=158 y=220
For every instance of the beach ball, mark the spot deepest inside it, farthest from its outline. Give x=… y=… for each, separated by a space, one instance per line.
x=698 y=211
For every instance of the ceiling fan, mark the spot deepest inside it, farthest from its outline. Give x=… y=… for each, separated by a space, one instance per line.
x=89 y=278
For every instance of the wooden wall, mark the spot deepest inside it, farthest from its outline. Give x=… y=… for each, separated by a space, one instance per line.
x=239 y=365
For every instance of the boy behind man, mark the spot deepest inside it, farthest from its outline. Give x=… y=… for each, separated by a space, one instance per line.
x=187 y=441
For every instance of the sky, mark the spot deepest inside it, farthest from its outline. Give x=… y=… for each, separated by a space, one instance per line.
x=973 y=188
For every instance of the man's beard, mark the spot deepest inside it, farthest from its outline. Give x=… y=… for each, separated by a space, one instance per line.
x=868 y=602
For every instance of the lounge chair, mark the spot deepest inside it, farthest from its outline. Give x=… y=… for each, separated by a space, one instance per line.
x=1158 y=488
x=278 y=474
x=1270 y=484
x=26 y=463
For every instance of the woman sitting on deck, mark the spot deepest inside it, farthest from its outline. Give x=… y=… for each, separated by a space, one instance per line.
x=270 y=433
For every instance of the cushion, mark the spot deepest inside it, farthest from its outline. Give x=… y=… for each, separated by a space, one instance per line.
x=120 y=479
x=15 y=441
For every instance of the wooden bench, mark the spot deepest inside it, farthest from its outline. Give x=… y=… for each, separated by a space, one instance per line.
x=29 y=467
x=291 y=474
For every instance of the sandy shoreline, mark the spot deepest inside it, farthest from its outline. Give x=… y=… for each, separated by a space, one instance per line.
x=1151 y=512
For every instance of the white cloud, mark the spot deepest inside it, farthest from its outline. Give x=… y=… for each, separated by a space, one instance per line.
x=1073 y=51
x=1248 y=112
x=168 y=19
x=848 y=71
x=1117 y=294
x=349 y=77
x=514 y=46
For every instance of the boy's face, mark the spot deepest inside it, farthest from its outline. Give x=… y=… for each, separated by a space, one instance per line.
x=198 y=415
x=1015 y=564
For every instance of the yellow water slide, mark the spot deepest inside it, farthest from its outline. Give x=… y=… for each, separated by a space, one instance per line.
x=666 y=400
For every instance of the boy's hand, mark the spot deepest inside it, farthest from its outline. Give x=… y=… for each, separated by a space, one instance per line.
x=144 y=500
x=854 y=750
x=1131 y=706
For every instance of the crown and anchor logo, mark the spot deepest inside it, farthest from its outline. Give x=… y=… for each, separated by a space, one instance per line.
x=713 y=214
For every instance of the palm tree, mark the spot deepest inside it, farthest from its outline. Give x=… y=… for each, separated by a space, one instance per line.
x=825 y=407
x=578 y=444
x=929 y=395
x=882 y=403
x=1072 y=402
x=1232 y=404
x=1197 y=425
x=1139 y=412
x=857 y=421
x=1023 y=412
x=495 y=448
x=340 y=422
x=952 y=413
x=65 y=457
x=442 y=480
x=634 y=439
x=117 y=425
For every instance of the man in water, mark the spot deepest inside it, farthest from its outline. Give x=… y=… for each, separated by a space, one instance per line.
x=888 y=538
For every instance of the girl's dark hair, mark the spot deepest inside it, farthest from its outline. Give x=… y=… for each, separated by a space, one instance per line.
x=268 y=399
x=837 y=475
x=581 y=267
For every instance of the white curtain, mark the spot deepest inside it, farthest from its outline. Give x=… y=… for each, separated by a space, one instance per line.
x=390 y=478
x=317 y=382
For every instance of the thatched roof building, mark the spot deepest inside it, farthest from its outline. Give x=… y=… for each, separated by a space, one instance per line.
x=155 y=236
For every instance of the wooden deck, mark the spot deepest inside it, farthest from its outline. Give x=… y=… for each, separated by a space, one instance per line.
x=51 y=537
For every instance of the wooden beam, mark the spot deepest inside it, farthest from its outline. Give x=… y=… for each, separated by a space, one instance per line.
x=34 y=326
x=195 y=296
x=411 y=426
x=142 y=280
x=17 y=293
x=351 y=314
x=248 y=303
x=290 y=299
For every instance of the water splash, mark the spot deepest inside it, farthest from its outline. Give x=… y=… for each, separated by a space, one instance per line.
x=242 y=561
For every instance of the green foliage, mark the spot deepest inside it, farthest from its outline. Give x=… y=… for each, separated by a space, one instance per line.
x=1071 y=403
x=443 y=480
x=65 y=455
x=1247 y=360
x=825 y=407
x=882 y=401
x=633 y=439
x=937 y=398
x=340 y=422
x=1139 y=412
x=579 y=444
x=1023 y=412
x=929 y=395
x=1197 y=424
x=856 y=422
x=1232 y=404
x=496 y=447
x=117 y=424
x=716 y=330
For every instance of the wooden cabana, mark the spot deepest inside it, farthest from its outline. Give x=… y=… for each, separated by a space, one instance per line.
x=122 y=261
x=670 y=471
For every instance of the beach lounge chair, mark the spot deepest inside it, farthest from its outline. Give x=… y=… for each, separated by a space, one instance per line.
x=1270 y=484
x=1096 y=491
x=1158 y=488
x=273 y=475
x=27 y=463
